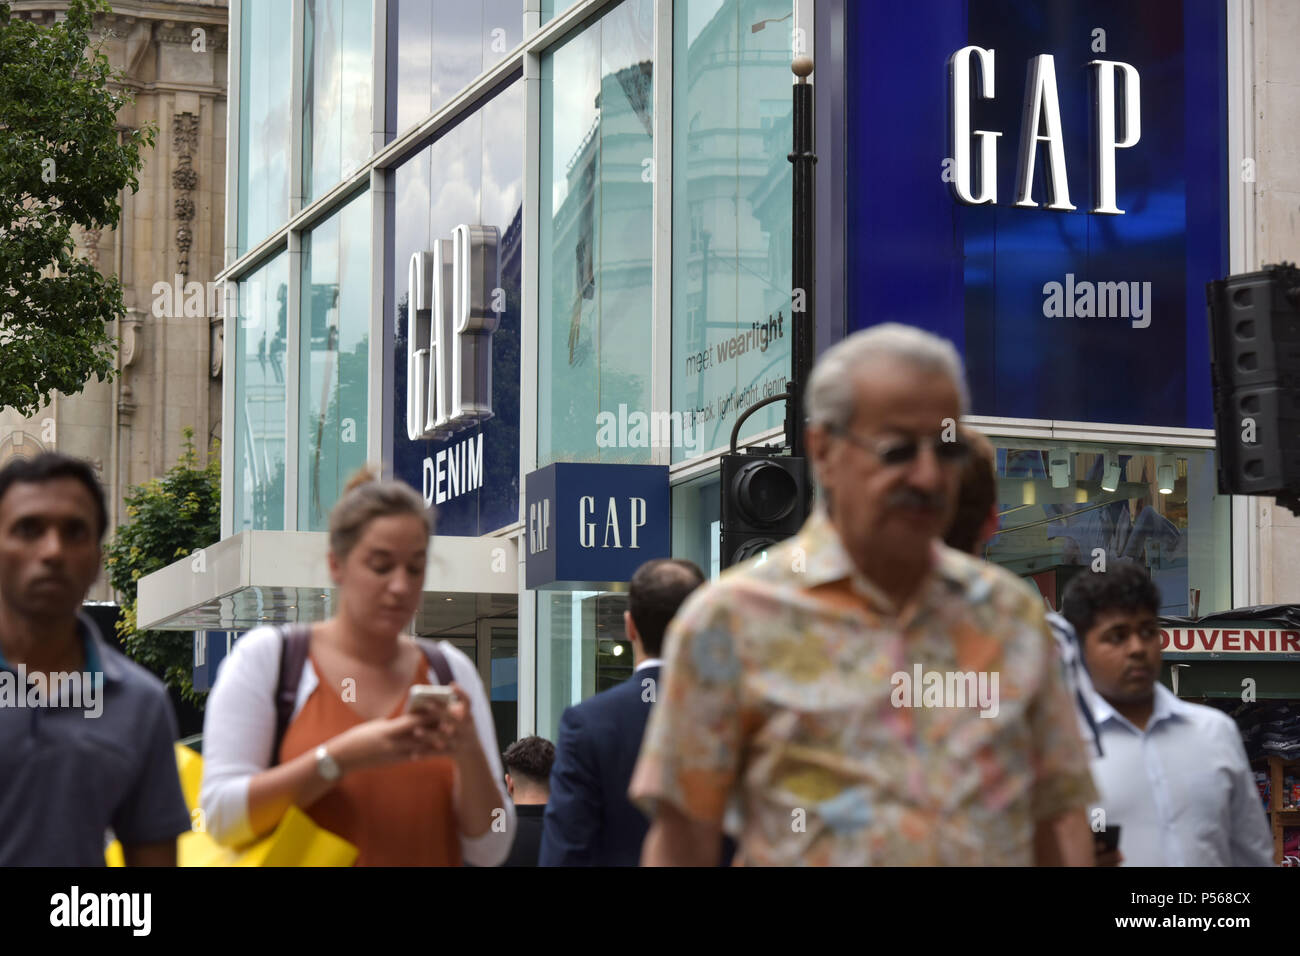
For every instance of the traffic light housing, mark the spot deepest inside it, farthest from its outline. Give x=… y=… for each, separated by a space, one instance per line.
x=765 y=499
x=1255 y=368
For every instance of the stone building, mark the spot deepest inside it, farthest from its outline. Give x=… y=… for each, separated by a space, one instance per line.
x=173 y=57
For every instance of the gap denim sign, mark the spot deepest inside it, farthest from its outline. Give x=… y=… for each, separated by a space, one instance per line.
x=454 y=301
x=589 y=527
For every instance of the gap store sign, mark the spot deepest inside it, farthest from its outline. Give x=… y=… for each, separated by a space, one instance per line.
x=459 y=371
x=589 y=527
x=1044 y=182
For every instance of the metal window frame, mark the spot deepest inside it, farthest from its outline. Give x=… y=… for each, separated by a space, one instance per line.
x=375 y=174
x=661 y=217
x=526 y=712
x=230 y=333
x=1243 y=256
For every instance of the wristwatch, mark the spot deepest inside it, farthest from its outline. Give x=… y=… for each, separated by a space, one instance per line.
x=327 y=766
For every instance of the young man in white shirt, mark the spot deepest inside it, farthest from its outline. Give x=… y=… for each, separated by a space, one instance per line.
x=1174 y=776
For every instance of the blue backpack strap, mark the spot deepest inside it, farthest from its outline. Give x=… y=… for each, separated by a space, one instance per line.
x=295 y=642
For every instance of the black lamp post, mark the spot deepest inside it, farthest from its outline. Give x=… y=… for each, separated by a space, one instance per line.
x=803 y=345
x=766 y=494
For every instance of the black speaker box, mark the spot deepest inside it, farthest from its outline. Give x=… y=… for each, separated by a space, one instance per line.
x=1255 y=328
x=1255 y=366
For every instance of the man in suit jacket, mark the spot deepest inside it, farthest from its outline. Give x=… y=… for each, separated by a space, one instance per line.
x=589 y=820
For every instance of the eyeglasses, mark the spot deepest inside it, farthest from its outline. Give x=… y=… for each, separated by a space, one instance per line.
x=893 y=452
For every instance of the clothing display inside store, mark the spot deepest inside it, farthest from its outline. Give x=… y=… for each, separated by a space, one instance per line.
x=1271 y=732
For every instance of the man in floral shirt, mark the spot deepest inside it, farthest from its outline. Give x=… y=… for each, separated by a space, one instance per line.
x=866 y=695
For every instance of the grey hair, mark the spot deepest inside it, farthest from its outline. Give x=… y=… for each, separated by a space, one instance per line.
x=830 y=398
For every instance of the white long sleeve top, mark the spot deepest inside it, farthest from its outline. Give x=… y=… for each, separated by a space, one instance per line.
x=239 y=732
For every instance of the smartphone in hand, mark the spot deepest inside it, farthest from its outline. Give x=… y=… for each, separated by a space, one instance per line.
x=427 y=696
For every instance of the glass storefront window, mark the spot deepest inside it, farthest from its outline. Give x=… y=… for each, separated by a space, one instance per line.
x=595 y=322
x=503 y=651
x=336 y=91
x=697 y=522
x=1162 y=510
x=333 y=370
x=436 y=47
x=264 y=72
x=732 y=186
x=1154 y=505
x=553 y=8
x=473 y=175
x=581 y=650
x=259 y=382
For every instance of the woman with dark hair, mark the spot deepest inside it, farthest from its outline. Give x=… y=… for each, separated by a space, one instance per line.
x=316 y=717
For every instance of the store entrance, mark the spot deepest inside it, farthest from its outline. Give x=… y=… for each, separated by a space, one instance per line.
x=582 y=649
x=493 y=645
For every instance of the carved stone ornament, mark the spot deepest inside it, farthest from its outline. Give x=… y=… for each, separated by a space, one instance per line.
x=184 y=177
x=185 y=141
x=90 y=241
x=218 y=346
x=130 y=339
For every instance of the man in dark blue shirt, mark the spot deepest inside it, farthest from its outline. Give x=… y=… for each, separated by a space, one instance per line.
x=86 y=736
x=528 y=763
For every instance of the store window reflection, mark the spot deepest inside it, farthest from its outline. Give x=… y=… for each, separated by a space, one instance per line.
x=437 y=47
x=732 y=183
x=259 y=383
x=582 y=649
x=595 y=322
x=1070 y=506
x=335 y=348
x=264 y=120
x=337 y=88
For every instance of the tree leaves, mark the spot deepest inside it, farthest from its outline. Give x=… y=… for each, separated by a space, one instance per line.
x=63 y=163
x=171 y=518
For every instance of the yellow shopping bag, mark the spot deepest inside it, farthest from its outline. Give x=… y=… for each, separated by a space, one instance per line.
x=296 y=841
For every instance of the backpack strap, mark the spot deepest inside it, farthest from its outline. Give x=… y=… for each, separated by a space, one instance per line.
x=438 y=661
x=295 y=643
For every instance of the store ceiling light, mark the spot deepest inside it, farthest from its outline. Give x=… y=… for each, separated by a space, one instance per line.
x=1110 y=477
x=1166 y=474
x=618 y=650
x=1058 y=465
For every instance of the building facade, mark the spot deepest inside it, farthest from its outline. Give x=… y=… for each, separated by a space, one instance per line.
x=534 y=259
x=167 y=250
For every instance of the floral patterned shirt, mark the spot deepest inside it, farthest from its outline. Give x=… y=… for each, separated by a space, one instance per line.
x=819 y=725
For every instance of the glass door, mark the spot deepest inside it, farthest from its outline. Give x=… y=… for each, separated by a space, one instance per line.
x=499 y=667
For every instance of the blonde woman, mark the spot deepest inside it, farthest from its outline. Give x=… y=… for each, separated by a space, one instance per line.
x=314 y=716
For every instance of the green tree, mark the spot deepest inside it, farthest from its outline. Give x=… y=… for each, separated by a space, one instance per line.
x=170 y=518
x=63 y=163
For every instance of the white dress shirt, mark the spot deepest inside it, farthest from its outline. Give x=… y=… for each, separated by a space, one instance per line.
x=1181 y=791
x=239 y=727
x=1077 y=682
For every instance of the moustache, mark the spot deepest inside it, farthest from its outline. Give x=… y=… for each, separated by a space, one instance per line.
x=911 y=498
